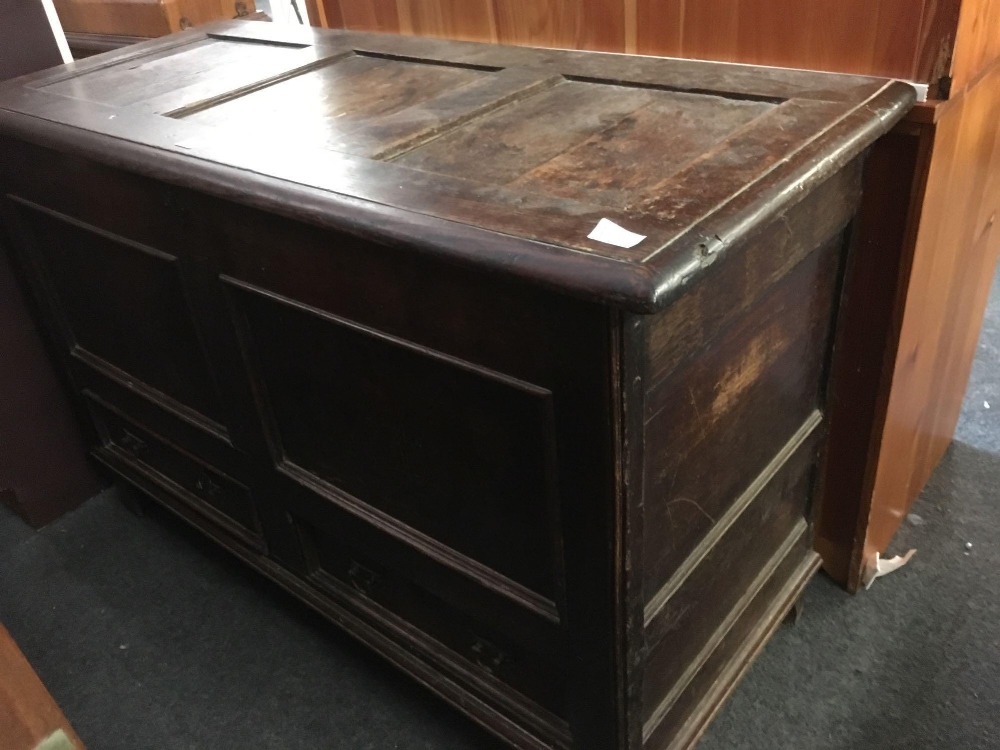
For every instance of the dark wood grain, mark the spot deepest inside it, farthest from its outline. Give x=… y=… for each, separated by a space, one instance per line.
x=727 y=407
x=563 y=483
x=952 y=46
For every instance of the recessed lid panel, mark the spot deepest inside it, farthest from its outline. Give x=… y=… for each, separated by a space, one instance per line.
x=202 y=69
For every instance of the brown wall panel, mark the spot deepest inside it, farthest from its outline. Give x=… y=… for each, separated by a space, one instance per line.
x=582 y=24
x=659 y=26
x=899 y=38
x=978 y=43
x=367 y=15
x=471 y=20
x=848 y=36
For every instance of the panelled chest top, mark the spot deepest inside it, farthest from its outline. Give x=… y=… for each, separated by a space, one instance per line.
x=507 y=158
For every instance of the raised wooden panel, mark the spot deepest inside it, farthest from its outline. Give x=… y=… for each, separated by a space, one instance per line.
x=322 y=106
x=949 y=44
x=737 y=646
x=124 y=311
x=746 y=394
x=460 y=454
x=588 y=142
x=723 y=577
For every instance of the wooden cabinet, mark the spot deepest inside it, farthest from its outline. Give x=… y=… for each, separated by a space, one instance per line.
x=562 y=478
x=913 y=337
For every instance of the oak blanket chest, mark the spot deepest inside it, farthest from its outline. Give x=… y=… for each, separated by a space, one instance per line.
x=511 y=362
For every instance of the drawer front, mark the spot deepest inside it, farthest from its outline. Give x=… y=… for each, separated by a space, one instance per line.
x=350 y=562
x=221 y=499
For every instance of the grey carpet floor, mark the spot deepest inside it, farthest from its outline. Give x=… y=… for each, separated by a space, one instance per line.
x=150 y=637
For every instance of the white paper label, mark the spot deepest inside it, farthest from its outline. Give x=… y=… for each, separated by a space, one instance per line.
x=885 y=567
x=610 y=233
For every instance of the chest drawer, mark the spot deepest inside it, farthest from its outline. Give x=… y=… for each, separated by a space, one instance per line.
x=349 y=562
x=219 y=498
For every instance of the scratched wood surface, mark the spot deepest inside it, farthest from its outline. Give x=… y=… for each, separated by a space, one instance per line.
x=363 y=327
x=951 y=43
x=898 y=38
x=536 y=144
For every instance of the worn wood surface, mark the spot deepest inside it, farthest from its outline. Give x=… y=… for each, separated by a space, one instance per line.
x=27 y=712
x=949 y=44
x=376 y=126
x=894 y=38
x=392 y=372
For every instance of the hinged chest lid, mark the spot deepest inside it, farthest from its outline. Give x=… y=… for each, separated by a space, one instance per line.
x=503 y=157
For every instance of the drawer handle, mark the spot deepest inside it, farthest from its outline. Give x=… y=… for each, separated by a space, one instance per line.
x=361 y=577
x=133 y=444
x=208 y=487
x=487 y=656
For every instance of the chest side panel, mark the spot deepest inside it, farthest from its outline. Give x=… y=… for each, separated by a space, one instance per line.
x=734 y=433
